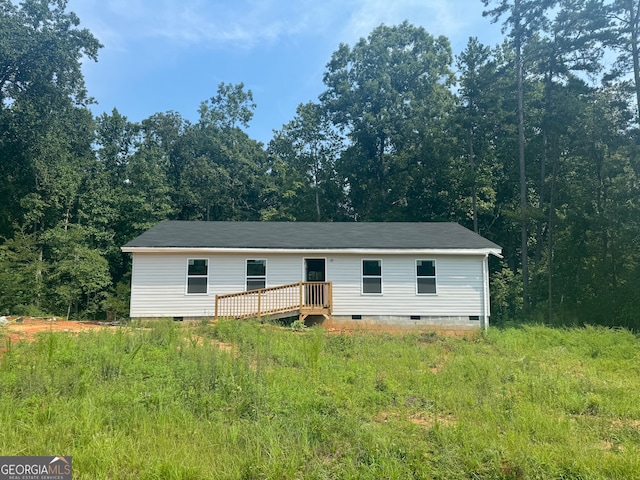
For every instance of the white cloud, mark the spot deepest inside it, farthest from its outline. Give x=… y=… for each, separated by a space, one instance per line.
x=248 y=23
x=244 y=23
x=438 y=17
x=194 y=22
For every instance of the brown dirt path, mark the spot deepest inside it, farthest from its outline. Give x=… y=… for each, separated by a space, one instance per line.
x=26 y=328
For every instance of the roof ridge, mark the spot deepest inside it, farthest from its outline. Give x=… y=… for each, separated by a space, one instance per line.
x=310 y=235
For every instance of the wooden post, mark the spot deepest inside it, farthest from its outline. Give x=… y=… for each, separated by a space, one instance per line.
x=259 y=296
x=216 y=315
x=301 y=287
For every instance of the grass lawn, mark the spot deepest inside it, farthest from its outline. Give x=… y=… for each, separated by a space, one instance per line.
x=250 y=401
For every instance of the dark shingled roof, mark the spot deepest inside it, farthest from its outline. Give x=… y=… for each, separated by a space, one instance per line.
x=310 y=235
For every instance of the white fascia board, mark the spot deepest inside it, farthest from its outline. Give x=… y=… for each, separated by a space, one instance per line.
x=307 y=251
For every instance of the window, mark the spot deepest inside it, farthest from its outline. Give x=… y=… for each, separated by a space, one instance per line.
x=256 y=274
x=197 y=276
x=372 y=276
x=426 y=277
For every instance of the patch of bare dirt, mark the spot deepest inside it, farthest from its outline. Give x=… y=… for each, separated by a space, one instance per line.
x=225 y=347
x=346 y=327
x=608 y=446
x=26 y=328
x=619 y=423
x=429 y=421
x=615 y=423
x=435 y=367
x=424 y=420
x=383 y=417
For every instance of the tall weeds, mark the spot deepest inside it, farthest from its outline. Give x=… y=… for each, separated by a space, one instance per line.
x=245 y=400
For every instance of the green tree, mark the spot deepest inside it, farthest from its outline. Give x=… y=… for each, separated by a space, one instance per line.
x=480 y=120
x=523 y=18
x=389 y=95
x=309 y=148
x=570 y=43
x=622 y=36
x=117 y=139
x=229 y=109
x=41 y=51
x=485 y=125
x=20 y=273
x=47 y=131
x=79 y=276
x=216 y=169
x=596 y=242
x=41 y=84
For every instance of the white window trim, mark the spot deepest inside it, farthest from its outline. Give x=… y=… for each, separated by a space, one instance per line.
x=187 y=276
x=362 y=276
x=247 y=277
x=435 y=277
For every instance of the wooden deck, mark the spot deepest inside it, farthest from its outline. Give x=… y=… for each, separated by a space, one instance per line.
x=300 y=299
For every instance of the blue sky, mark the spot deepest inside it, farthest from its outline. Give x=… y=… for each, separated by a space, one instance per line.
x=162 y=55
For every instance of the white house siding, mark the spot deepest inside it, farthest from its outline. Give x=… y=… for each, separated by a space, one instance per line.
x=159 y=284
x=459 y=284
x=158 y=281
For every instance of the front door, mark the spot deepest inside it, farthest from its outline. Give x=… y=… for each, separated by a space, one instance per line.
x=315 y=271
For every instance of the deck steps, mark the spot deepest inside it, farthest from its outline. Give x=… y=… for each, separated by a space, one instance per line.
x=300 y=299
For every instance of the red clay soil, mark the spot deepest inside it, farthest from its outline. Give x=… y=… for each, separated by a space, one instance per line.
x=28 y=327
x=358 y=326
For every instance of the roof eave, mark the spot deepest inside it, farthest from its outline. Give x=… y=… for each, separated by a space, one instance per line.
x=319 y=251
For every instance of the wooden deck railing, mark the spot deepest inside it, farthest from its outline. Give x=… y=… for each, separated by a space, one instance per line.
x=305 y=298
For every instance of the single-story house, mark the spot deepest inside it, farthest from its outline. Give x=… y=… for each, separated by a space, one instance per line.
x=395 y=273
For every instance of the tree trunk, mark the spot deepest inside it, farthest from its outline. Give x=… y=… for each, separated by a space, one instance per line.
x=474 y=189
x=541 y=193
x=521 y=157
x=39 y=274
x=634 y=18
x=545 y=157
x=316 y=185
x=552 y=207
x=66 y=218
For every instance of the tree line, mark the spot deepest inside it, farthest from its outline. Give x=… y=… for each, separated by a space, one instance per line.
x=533 y=143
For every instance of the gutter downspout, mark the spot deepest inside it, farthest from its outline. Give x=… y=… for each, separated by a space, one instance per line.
x=486 y=305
